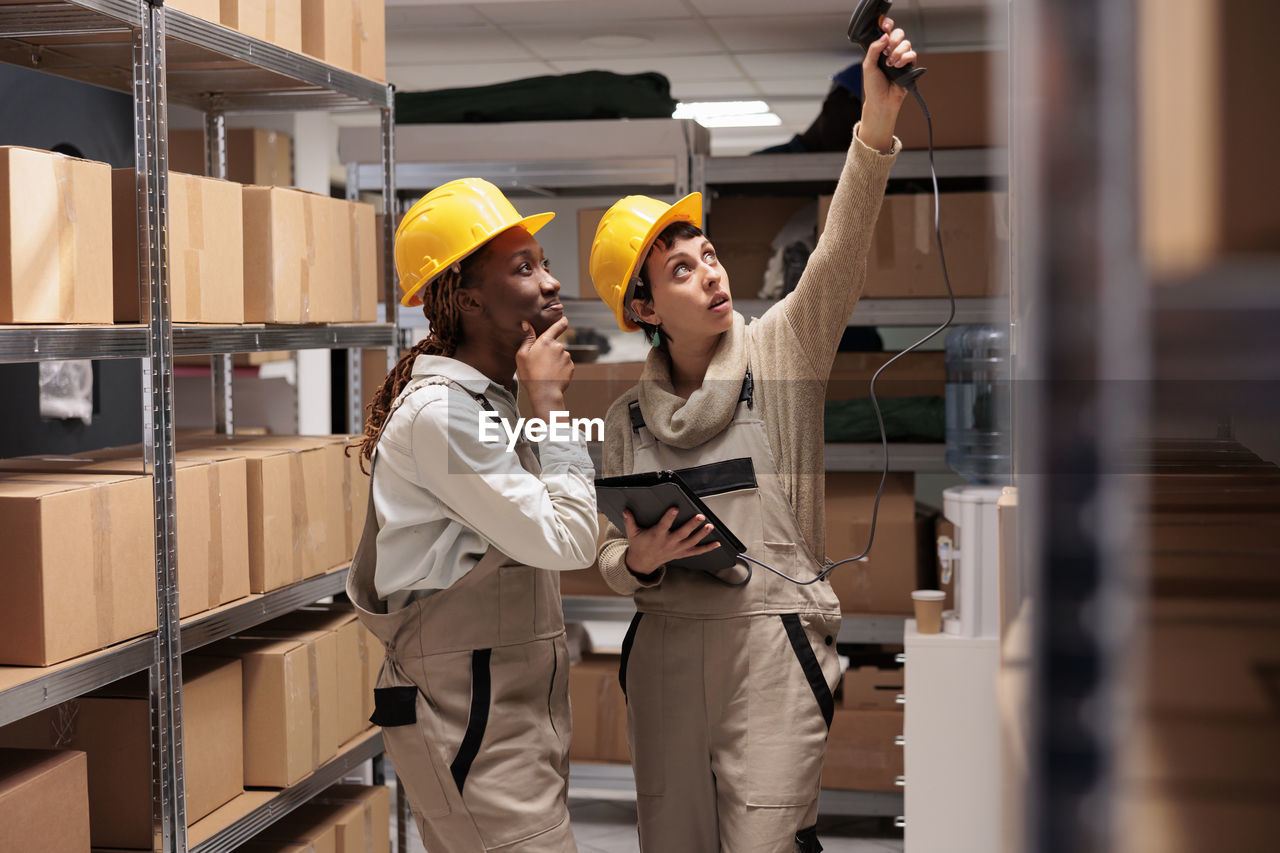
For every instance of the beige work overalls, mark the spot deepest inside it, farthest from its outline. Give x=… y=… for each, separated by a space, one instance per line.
x=473 y=699
x=729 y=689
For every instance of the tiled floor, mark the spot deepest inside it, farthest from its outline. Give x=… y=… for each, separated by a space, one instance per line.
x=609 y=826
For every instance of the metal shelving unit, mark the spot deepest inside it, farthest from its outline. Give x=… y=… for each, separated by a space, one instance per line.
x=159 y=55
x=223 y=622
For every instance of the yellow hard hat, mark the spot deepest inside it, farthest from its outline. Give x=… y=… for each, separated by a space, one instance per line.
x=623 y=238
x=449 y=223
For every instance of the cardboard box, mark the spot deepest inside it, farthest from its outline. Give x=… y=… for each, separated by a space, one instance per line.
x=968 y=101
x=362 y=816
x=44 y=801
x=861 y=752
x=884 y=581
x=355 y=494
x=594 y=388
x=363 y=233
x=324 y=844
x=369 y=39
x=327 y=31
x=743 y=230
x=339 y=622
x=277 y=22
x=114 y=727
x=213 y=538
x=297 y=526
x=55 y=247
x=599 y=711
x=290 y=693
x=1204 y=197
x=916 y=374
x=317 y=837
x=298 y=258
x=80 y=566
x=206 y=249
x=207 y=10
x=255 y=156
x=871 y=688
x=903 y=262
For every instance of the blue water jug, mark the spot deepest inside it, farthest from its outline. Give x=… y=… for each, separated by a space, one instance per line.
x=979 y=404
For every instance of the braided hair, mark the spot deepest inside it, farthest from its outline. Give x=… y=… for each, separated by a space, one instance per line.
x=444 y=337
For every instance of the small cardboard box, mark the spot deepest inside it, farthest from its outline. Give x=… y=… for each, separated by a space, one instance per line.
x=968 y=101
x=599 y=710
x=883 y=582
x=328 y=28
x=245 y=16
x=341 y=623
x=364 y=262
x=55 y=248
x=317 y=837
x=213 y=539
x=277 y=22
x=80 y=566
x=296 y=524
x=871 y=688
x=287 y=684
x=255 y=156
x=916 y=374
x=862 y=754
x=362 y=816
x=44 y=801
x=903 y=260
x=114 y=728
x=743 y=230
x=298 y=262
x=208 y=10
x=369 y=39
x=206 y=249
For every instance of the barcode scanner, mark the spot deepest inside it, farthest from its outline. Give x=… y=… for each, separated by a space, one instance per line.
x=864 y=28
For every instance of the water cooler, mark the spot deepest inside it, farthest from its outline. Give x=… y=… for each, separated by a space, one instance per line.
x=951 y=733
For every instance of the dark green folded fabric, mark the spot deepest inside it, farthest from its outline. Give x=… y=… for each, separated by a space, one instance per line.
x=565 y=97
x=905 y=419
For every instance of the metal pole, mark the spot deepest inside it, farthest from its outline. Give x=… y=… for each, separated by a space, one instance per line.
x=150 y=119
x=1092 y=339
x=215 y=165
x=390 y=215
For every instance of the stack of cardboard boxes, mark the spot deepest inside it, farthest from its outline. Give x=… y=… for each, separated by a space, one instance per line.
x=863 y=749
x=342 y=819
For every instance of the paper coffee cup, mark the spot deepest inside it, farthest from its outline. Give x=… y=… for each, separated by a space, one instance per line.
x=928 y=604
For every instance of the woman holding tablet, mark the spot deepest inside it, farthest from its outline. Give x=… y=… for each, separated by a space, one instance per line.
x=729 y=677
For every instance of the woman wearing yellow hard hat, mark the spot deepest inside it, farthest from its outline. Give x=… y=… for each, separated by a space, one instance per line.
x=729 y=680
x=456 y=570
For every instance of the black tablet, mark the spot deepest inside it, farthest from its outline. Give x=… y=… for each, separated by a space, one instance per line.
x=649 y=496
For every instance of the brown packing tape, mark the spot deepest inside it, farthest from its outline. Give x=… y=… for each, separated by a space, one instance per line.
x=195 y=247
x=104 y=598
x=313 y=663
x=302 y=540
x=215 y=535
x=66 y=238
x=309 y=260
x=367 y=807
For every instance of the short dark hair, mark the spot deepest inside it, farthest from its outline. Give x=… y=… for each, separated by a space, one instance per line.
x=678 y=230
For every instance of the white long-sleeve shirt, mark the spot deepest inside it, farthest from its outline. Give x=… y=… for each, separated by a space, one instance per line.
x=442 y=496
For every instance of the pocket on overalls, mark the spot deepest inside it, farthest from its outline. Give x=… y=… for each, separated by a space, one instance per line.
x=789 y=707
x=401 y=711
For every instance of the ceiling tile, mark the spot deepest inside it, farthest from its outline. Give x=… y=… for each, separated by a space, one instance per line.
x=791 y=32
x=577 y=11
x=417 y=78
x=453 y=44
x=813 y=65
x=801 y=113
x=431 y=16
x=770 y=7
x=805 y=87
x=711 y=67
x=589 y=40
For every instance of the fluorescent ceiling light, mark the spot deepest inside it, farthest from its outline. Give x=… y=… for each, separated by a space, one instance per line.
x=717 y=109
x=728 y=113
x=753 y=120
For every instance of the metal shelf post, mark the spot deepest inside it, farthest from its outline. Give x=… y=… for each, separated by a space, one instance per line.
x=151 y=157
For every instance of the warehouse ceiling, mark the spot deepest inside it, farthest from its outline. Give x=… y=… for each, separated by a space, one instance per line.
x=709 y=49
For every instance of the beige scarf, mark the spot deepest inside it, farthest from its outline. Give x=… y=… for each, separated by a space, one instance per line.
x=688 y=423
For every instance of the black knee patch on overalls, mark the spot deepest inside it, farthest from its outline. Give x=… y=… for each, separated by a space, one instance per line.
x=807 y=840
